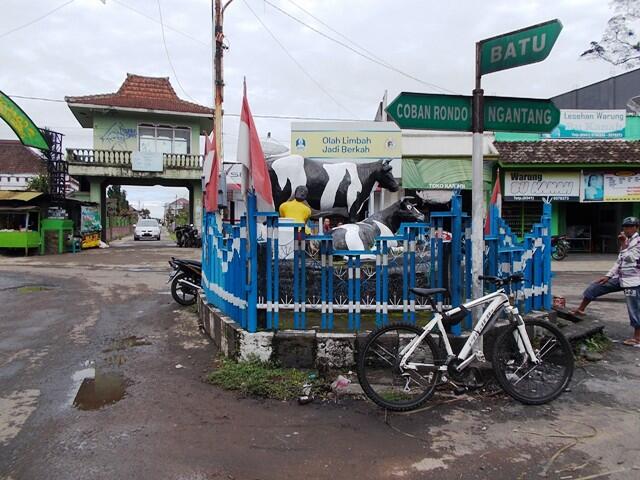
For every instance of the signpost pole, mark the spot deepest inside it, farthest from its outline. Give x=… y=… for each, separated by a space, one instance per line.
x=477 y=194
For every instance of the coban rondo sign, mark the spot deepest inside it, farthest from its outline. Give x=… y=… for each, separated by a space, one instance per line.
x=425 y=111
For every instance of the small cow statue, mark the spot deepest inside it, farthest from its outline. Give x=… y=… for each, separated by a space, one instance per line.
x=334 y=188
x=362 y=235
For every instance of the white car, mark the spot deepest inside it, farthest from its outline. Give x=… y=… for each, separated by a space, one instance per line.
x=147 y=228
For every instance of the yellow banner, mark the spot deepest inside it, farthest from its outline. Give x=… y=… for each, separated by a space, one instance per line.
x=343 y=144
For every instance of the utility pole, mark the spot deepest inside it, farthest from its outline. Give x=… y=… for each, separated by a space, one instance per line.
x=218 y=82
x=477 y=185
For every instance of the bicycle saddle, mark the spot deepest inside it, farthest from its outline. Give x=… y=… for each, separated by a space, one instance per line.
x=427 y=292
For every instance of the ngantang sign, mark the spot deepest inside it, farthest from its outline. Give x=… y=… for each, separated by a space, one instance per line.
x=529 y=186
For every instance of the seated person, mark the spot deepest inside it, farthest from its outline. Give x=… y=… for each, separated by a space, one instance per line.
x=297 y=208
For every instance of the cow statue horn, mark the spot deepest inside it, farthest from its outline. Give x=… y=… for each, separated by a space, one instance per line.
x=409 y=199
x=386 y=165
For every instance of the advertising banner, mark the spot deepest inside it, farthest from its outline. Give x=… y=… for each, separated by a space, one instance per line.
x=90 y=219
x=355 y=141
x=529 y=186
x=611 y=187
x=590 y=124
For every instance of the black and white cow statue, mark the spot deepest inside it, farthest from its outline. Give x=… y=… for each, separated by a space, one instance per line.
x=362 y=235
x=334 y=188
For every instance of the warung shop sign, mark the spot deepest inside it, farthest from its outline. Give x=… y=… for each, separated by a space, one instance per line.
x=531 y=186
x=590 y=124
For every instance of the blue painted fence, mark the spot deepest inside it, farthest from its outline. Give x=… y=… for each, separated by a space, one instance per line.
x=244 y=277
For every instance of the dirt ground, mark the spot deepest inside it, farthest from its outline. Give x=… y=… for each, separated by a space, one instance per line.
x=109 y=312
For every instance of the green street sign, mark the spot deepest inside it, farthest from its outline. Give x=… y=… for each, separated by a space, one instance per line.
x=425 y=111
x=21 y=124
x=521 y=47
x=505 y=114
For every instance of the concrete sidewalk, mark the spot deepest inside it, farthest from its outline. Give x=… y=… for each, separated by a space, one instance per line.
x=585 y=262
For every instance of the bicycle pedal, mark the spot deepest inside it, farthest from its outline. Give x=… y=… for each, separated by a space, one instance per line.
x=459 y=390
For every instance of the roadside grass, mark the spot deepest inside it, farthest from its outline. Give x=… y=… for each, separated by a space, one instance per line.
x=32 y=288
x=260 y=379
x=598 y=343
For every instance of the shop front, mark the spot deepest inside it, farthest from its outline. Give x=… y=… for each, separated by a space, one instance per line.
x=436 y=178
x=592 y=187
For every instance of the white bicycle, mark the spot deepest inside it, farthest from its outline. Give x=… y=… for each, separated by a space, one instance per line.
x=400 y=365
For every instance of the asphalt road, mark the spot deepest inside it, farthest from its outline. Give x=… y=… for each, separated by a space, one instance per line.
x=108 y=314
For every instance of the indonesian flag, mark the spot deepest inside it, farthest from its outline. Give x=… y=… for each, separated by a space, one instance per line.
x=496 y=199
x=211 y=174
x=251 y=156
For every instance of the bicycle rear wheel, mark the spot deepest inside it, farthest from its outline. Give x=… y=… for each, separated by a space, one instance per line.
x=381 y=377
x=529 y=383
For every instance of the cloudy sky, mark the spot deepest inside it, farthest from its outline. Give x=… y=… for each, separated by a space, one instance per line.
x=299 y=56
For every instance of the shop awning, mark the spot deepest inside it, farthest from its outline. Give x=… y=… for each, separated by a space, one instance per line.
x=440 y=173
x=21 y=196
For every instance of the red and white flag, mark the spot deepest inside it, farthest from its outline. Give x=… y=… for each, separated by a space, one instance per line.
x=496 y=199
x=250 y=154
x=211 y=174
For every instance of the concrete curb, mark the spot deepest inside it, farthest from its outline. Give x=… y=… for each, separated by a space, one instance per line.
x=301 y=348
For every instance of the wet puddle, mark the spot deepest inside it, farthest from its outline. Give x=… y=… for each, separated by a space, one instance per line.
x=128 y=342
x=104 y=389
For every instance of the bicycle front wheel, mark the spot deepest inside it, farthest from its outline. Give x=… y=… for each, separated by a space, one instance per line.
x=382 y=378
x=527 y=382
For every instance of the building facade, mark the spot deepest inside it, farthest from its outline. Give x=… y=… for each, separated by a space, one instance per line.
x=143 y=134
x=588 y=167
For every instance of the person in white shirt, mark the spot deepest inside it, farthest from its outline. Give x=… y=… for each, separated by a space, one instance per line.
x=627 y=271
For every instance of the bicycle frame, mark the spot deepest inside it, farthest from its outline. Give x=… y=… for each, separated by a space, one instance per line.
x=498 y=300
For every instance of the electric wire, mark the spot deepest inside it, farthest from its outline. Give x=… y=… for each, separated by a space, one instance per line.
x=168 y=27
x=226 y=114
x=284 y=49
x=166 y=49
x=348 y=47
x=41 y=17
x=326 y=25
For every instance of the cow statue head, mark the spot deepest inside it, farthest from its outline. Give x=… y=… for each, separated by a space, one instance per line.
x=408 y=212
x=384 y=177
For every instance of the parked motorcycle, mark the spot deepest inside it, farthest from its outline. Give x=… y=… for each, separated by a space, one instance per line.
x=180 y=235
x=185 y=280
x=559 y=247
x=188 y=236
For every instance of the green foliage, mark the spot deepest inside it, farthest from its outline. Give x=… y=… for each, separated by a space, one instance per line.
x=598 y=343
x=119 y=200
x=39 y=183
x=259 y=379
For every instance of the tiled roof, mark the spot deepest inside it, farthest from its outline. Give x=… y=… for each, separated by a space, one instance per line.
x=16 y=158
x=569 y=151
x=152 y=93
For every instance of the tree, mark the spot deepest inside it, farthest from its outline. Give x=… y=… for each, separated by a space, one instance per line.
x=39 y=183
x=145 y=213
x=620 y=43
x=119 y=195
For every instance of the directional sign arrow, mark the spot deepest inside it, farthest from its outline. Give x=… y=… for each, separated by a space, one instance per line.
x=425 y=111
x=521 y=47
x=520 y=114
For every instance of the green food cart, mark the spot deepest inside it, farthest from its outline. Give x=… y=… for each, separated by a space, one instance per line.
x=20 y=227
x=57 y=235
